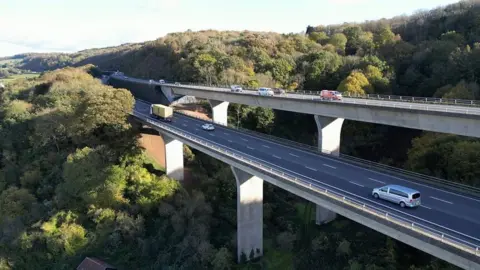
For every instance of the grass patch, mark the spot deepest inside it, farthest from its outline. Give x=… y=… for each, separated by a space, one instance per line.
x=19 y=76
x=10 y=61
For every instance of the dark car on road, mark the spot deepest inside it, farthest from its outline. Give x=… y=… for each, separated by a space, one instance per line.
x=278 y=91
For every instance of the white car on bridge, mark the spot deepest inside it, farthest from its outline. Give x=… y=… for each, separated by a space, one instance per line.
x=265 y=91
x=208 y=127
x=236 y=88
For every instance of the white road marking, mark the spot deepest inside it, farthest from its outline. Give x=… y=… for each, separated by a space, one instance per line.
x=212 y=134
x=251 y=148
x=276 y=157
x=197 y=129
x=351 y=182
x=244 y=139
x=293 y=155
x=375 y=180
x=226 y=133
x=184 y=125
x=266 y=146
x=435 y=198
x=229 y=141
x=310 y=168
x=421 y=205
x=326 y=165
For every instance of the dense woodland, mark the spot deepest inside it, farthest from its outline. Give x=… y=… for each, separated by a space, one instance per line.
x=75 y=183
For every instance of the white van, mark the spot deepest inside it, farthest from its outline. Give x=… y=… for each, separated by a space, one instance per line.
x=398 y=194
x=265 y=91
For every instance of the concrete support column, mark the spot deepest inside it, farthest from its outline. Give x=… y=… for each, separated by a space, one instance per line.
x=173 y=157
x=329 y=130
x=324 y=215
x=219 y=111
x=249 y=214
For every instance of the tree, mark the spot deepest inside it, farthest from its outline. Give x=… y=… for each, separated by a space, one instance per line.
x=375 y=76
x=353 y=34
x=462 y=90
x=281 y=69
x=205 y=64
x=222 y=259
x=384 y=36
x=355 y=84
x=319 y=37
x=338 y=40
x=15 y=202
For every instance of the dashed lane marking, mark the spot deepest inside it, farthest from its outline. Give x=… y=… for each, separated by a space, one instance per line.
x=351 y=182
x=375 y=180
x=438 y=199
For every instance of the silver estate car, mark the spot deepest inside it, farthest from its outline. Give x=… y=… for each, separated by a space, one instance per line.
x=397 y=194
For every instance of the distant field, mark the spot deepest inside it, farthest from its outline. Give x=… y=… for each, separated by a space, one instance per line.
x=19 y=76
x=8 y=61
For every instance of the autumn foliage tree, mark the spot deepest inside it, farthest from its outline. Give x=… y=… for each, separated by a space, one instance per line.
x=355 y=84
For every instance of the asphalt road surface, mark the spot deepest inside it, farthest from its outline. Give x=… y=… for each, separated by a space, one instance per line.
x=454 y=213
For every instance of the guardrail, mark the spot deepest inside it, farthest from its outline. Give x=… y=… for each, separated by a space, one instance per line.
x=325 y=190
x=365 y=163
x=429 y=100
x=410 y=99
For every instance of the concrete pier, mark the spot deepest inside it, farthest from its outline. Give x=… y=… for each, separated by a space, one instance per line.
x=249 y=214
x=324 y=215
x=219 y=111
x=173 y=157
x=329 y=130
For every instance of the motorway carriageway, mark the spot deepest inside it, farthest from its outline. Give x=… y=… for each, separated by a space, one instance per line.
x=457 y=108
x=452 y=213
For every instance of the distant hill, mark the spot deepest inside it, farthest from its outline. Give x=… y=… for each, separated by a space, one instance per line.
x=40 y=62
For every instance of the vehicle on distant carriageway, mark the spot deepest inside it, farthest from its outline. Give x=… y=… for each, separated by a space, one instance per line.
x=265 y=91
x=398 y=194
x=330 y=95
x=208 y=127
x=279 y=91
x=161 y=112
x=236 y=88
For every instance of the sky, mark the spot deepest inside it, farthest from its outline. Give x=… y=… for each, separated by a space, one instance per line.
x=73 y=25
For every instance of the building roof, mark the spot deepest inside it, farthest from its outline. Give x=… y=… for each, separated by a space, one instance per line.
x=90 y=263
